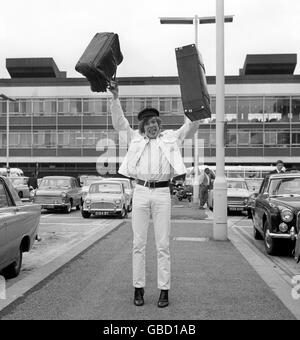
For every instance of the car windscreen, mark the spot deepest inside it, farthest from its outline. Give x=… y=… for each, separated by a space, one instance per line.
x=18 y=180
x=236 y=185
x=89 y=181
x=114 y=188
x=55 y=183
x=284 y=186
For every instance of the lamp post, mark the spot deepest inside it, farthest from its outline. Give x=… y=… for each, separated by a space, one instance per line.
x=220 y=183
x=196 y=21
x=4 y=97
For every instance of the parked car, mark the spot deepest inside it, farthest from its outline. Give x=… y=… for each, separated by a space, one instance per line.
x=20 y=184
x=128 y=189
x=18 y=228
x=86 y=181
x=276 y=211
x=237 y=195
x=58 y=192
x=104 y=198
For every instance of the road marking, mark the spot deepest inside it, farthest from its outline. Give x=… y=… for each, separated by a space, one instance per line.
x=46 y=215
x=193 y=239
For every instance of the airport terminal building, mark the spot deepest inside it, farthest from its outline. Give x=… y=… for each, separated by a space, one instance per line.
x=58 y=126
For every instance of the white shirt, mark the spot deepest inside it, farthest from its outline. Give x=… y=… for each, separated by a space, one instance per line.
x=153 y=165
x=201 y=178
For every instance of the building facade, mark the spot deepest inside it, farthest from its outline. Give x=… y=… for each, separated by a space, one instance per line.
x=58 y=126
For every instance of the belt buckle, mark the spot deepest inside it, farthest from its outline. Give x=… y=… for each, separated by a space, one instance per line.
x=150 y=182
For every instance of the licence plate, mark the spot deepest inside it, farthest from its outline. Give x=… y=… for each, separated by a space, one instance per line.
x=236 y=209
x=102 y=213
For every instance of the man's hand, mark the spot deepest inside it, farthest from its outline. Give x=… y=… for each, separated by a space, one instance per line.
x=114 y=89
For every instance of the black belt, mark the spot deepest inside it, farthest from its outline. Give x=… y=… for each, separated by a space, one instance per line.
x=153 y=184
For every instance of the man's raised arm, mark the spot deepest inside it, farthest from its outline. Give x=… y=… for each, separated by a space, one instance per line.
x=120 y=123
x=187 y=130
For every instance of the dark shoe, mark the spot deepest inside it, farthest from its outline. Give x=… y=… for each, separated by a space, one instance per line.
x=163 y=300
x=139 y=296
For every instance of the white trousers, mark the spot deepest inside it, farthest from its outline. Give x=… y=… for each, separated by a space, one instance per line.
x=147 y=202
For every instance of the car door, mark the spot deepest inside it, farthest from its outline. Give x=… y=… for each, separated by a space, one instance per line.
x=7 y=218
x=260 y=205
x=75 y=192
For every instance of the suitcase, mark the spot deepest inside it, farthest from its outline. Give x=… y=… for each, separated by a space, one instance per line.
x=100 y=60
x=193 y=87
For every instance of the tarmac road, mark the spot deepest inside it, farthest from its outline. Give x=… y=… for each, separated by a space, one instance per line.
x=211 y=280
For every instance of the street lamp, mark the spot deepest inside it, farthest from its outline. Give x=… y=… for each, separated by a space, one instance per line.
x=196 y=21
x=4 y=97
x=220 y=183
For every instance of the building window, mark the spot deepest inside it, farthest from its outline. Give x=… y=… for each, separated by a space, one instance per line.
x=75 y=106
x=277 y=109
x=38 y=106
x=165 y=105
x=50 y=107
x=25 y=107
x=127 y=105
x=283 y=138
x=63 y=106
x=296 y=138
x=231 y=138
x=296 y=109
x=243 y=138
x=256 y=138
x=101 y=106
x=138 y=104
x=270 y=138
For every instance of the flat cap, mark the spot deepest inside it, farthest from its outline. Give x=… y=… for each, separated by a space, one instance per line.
x=148 y=112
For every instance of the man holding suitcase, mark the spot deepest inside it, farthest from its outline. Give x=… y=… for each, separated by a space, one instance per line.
x=153 y=158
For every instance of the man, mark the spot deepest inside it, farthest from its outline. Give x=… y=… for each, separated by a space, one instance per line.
x=153 y=158
x=279 y=168
x=204 y=185
x=32 y=181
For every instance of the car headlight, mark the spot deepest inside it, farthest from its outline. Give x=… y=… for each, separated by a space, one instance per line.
x=88 y=201
x=63 y=194
x=117 y=201
x=245 y=200
x=286 y=215
x=283 y=227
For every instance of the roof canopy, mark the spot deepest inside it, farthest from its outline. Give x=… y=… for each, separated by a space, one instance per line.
x=269 y=64
x=33 y=68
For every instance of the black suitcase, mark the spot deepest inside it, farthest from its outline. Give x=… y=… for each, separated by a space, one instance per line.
x=193 y=87
x=100 y=60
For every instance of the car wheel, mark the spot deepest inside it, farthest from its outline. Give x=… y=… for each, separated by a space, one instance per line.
x=13 y=270
x=85 y=214
x=68 y=208
x=271 y=244
x=123 y=213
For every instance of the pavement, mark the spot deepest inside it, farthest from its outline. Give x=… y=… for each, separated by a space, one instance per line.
x=210 y=280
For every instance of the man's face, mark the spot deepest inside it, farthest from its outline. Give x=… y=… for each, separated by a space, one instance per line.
x=279 y=166
x=152 y=128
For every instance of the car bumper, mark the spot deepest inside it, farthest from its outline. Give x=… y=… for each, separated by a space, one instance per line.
x=290 y=236
x=54 y=205
x=237 y=207
x=103 y=211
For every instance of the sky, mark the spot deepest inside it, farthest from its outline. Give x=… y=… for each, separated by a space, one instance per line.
x=62 y=29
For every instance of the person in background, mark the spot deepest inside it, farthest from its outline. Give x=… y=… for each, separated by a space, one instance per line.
x=205 y=183
x=280 y=169
x=32 y=181
x=32 y=185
